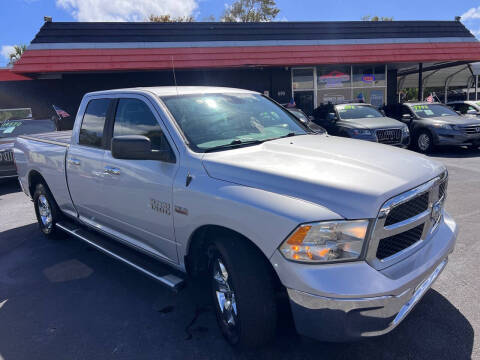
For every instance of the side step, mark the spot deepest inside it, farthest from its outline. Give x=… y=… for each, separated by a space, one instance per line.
x=139 y=261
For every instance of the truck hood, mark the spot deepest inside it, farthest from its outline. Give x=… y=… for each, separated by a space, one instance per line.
x=373 y=123
x=350 y=177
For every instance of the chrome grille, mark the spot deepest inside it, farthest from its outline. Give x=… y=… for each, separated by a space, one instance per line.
x=406 y=221
x=408 y=209
x=471 y=129
x=394 y=244
x=389 y=136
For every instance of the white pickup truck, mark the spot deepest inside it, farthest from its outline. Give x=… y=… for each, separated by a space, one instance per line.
x=228 y=186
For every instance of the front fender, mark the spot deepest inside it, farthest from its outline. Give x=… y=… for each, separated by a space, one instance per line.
x=266 y=218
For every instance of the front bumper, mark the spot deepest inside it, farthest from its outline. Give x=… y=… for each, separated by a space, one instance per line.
x=405 y=141
x=346 y=301
x=455 y=138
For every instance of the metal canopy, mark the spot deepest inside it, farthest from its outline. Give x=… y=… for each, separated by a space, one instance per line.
x=437 y=76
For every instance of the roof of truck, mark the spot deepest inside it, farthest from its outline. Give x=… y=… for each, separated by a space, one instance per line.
x=176 y=90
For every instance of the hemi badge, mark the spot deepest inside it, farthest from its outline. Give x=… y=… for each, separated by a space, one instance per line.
x=181 y=210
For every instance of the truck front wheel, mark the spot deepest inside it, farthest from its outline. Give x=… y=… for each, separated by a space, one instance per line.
x=243 y=294
x=47 y=211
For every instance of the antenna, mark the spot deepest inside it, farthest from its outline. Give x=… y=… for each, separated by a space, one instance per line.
x=174 y=77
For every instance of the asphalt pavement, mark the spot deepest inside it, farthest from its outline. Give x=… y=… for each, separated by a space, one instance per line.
x=63 y=300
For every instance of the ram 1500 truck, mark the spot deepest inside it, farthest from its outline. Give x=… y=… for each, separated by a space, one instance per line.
x=227 y=186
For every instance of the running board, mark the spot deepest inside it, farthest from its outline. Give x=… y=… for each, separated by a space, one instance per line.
x=139 y=261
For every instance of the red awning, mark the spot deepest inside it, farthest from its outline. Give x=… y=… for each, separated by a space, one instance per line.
x=72 y=60
x=9 y=75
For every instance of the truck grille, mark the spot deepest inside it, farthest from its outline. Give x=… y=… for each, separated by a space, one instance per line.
x=394 y=244
x=408 y=209
x=6 y=157
x=406 y=220
x=389 y=136
x=471 y=129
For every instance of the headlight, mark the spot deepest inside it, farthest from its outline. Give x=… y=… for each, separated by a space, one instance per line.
x=361 y=132
x=405 y=131
x=447 y=126
x=326 y=241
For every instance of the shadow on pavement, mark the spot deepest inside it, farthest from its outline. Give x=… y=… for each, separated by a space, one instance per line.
x=9 y=186
x=455 y=152
x=64 y=299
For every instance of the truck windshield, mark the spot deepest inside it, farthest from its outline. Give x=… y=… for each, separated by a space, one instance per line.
x=432 y=110
x=348 y=112
x=218 y=120
x=13 y=128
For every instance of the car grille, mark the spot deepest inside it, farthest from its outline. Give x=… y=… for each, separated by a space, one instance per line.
x=406 y=220
x=389 y=136
x=6 y=156
x=471 y=129
x=394 y=244
x=408 y=209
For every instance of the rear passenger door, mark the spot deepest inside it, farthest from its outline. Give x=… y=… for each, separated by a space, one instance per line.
x=138 y=193
x=85 y=162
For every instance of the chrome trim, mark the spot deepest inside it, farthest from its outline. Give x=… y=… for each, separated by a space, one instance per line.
x=380 y=231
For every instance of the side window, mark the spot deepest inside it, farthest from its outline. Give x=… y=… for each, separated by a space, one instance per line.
x=133 y=117
x=91 y=131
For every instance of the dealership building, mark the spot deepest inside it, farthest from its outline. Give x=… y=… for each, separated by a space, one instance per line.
x=313 y=62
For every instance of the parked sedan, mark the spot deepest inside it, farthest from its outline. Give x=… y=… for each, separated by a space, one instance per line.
x=9 y=130
x=435 y=124
x=362 y=121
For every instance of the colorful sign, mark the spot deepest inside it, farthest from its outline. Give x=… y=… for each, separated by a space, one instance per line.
x=368 y=78
x=334 y=79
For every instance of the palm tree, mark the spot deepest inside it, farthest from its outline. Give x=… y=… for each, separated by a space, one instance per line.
x=18 y=50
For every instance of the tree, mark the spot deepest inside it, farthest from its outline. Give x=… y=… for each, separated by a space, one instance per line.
x=17 y=53
x=168 y=18
x=376 y=18
x=251 y=11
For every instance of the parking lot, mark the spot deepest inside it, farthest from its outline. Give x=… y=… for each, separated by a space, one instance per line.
x=64 y=300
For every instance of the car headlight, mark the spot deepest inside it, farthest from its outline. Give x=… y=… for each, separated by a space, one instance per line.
x=326 y=241
x=447 y=126
x=361 y=132
x=405 y=131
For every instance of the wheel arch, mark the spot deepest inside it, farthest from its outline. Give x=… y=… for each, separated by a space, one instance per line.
x=35 y=178
x=196 y=258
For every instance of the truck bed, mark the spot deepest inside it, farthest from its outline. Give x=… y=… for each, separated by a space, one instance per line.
x=61 y=138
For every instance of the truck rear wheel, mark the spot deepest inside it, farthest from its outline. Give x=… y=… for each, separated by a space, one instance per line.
x=47 y=211
x=243 y=294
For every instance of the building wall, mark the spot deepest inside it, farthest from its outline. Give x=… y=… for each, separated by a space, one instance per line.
x=68 y=91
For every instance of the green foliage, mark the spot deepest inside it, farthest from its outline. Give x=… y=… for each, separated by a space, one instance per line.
x=168 y=18
x=376 y=18
x=16 y=54
x=251 y=11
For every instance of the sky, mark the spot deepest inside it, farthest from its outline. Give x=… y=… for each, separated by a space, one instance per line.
x=20 y=20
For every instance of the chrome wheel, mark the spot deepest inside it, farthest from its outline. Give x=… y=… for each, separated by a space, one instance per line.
x=224 y=294
x=423 y=142
x=45 y=212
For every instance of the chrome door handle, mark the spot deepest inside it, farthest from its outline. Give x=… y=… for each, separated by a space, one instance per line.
x=111 y=170
x=73 y=161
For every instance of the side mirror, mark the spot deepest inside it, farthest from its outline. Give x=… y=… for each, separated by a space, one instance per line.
x=383 y=112
x=459 y=112
x=332 y=117
x=406 y=117
x=137 y=147
x=472 y=112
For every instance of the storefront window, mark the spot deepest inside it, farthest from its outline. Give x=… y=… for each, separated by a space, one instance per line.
x=302 y=79
x=369 y=76
x=333 y=77
x=374 y=96
x=334 y=96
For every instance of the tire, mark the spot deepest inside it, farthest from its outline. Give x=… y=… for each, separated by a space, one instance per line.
x=424 y=141
x=47 y=212
x=243 y=294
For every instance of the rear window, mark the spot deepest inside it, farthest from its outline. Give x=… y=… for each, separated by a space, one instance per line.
x=14 y=128
x=91 y=132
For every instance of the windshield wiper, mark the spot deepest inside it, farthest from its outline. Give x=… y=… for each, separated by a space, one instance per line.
x=234 y=144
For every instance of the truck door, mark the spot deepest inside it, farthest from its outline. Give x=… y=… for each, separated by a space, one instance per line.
x=85 y=162
x=138 y=193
